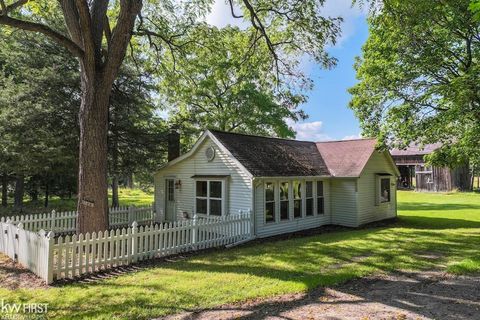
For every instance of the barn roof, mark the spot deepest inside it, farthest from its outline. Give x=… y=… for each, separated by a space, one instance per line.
x=346 y=158
x=272 y=157
x=416 y=150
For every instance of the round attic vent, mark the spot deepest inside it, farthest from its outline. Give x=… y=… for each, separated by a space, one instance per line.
x=210 y=153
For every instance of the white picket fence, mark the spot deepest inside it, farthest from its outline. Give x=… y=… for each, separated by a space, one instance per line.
x=67 y=221
x=54 y=258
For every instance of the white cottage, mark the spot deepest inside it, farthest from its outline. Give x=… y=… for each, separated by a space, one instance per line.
x=288 y=185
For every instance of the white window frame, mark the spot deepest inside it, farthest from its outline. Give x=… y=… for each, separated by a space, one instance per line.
x=168 y=189
x=311 y=197
x=274 y=201
x=380 y=190
x=301 y=199
x=289 y=192
x=208 y=197
x=319 y=196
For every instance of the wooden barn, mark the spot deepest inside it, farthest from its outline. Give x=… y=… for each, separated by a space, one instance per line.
x=416 y=174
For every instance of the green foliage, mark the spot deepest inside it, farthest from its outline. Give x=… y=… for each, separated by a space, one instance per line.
x=475 y=8
x=444 y=225
x=219 y=82
x=38 y=106
x=137 y=135
x=419 y=76
x=245 y=80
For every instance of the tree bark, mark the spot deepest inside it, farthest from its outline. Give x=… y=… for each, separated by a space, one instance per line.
x=92 y=178
x=47 y=194
x=19 y=191
x=130 y=180
x=4 y=190
x=115 y=199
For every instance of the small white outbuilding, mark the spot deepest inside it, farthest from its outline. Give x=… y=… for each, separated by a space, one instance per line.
x=288 y=185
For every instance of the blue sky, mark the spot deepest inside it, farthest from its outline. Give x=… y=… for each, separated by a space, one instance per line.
x=327 y=107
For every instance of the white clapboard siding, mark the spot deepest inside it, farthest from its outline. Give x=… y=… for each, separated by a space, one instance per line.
x=238 y=195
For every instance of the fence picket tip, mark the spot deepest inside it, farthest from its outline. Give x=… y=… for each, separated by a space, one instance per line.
x=50 y=234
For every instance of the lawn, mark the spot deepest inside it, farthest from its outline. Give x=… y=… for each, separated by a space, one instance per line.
x=127 y=197
x=433 y=231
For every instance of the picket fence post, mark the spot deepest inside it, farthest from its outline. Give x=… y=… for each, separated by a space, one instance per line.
x=194 y=232
x=50 y=241
x=134 y=242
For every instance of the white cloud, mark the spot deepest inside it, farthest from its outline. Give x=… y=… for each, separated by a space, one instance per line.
x=309 y=131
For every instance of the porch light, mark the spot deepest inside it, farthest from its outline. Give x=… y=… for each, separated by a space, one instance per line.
x=178 y=184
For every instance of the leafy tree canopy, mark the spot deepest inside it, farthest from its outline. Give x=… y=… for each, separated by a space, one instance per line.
x=419 y=77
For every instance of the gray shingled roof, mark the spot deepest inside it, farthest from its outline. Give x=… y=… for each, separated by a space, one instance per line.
x=272 y=157
x=346 y=158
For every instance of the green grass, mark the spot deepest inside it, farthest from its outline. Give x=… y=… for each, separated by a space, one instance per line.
x=127 y=197
x=434 y=231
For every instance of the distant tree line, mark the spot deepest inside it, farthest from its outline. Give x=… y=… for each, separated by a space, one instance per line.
x=39 y=104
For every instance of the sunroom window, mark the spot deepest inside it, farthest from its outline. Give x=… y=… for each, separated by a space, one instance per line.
x=309 y=198
x=269 y=202
x=209 y=197
x=297 y=199
x=284 y=201
x=320 y=198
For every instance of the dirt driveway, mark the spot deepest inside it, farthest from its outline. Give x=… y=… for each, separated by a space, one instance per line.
x=396 y=296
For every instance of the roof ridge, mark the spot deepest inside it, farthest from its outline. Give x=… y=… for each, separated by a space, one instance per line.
x=258 y=136
x=346 y=140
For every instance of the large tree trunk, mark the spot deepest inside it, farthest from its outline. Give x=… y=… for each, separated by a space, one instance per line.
x=92 y=178
x=4 y=190
x=19 y=191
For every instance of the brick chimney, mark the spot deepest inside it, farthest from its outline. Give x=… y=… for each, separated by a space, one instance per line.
x=173 y=145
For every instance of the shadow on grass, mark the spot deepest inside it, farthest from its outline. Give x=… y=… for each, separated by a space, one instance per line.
x=426 y=206
x=403 y=293
x=431 y=223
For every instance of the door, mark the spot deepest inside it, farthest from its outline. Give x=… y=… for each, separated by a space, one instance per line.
x=170 y=200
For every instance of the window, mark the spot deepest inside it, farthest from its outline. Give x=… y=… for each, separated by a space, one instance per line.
x=320 y=198
x=269 y=202
x=384 y=190
x=170 y=190
x=297 y=199
x=209 y=197
x=284 y=201
x=309 y=198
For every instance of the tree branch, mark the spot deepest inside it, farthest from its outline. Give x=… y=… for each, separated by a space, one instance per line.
x=70 y=15
x=98 y=19
x=121 y=35
x=43 y=29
